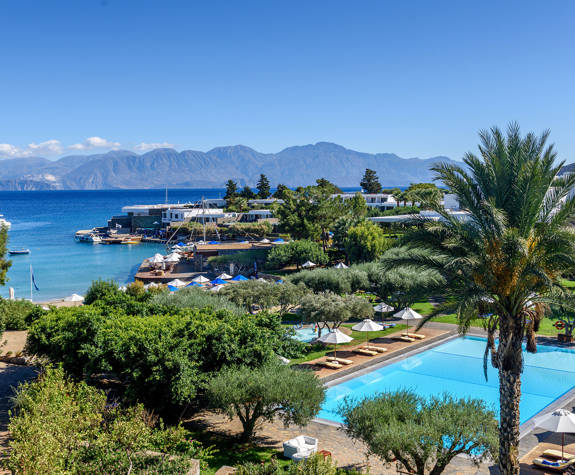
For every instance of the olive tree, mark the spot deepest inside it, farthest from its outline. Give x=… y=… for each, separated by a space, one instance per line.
x=329 y=310
x=423 y=434
x=261 y=394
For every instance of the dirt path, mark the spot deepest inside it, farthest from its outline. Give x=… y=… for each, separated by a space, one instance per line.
x=10 y=377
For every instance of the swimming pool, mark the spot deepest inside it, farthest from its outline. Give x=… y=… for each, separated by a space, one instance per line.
x=305 y=334
x=456 y=367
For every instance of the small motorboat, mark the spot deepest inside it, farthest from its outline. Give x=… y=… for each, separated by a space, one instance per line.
x=21 y=250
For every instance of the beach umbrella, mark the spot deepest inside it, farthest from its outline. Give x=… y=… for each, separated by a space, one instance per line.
x=560 y=420
x=218 y=281
x=181 y=244
x=341 y=265
x=382 y=307
x=265 y=241
x=335 y=338
x=408 y=314
x=157 y=259
x=307 y=264
x=200 y=279
x=367 y=325
x=214 y=242
x=74 y=298
x=172 y=288
x=279 y=241
x=239 y=278
x=216 y=288
x=194 y=284
x=172 y=258
x=224 y=276
x=279 y=281
x=177 y=283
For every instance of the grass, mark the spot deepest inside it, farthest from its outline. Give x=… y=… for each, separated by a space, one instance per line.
x=228 y=452
x=358 y=338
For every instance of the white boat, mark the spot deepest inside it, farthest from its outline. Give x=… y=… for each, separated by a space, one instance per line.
x=4 y=223
x=87 y=237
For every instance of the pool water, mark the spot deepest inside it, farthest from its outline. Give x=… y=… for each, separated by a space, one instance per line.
x=456 y=367
x=305 y=334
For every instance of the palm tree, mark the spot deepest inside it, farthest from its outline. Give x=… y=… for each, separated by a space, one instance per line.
x=506 y=260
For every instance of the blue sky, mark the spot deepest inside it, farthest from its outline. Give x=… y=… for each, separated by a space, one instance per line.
x=417 y=78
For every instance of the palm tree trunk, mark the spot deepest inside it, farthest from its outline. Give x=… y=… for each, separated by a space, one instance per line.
x=509 y=362
x=509 y=397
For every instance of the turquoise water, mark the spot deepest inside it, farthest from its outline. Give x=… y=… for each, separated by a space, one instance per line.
x=305 y=334
x=45 y=222
x=456 y=367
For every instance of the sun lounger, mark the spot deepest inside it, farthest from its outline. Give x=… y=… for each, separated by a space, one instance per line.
x=379 y=349
x=406 y=338
x=416 y=336
x=556 y=454
x=330 y=364
x=365 y=352
x=559 y=466
x=339 y=360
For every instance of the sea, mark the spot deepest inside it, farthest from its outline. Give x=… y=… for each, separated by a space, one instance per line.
x=45 y=222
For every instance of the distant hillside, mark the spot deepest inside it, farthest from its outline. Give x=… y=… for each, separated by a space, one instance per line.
x=300 y=165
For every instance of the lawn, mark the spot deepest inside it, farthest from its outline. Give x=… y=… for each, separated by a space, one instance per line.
x=358 y=338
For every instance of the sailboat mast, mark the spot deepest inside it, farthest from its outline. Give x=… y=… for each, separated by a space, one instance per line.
x=30 y=282
x=204 y=217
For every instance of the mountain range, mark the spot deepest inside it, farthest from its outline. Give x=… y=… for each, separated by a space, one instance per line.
x=293 y=166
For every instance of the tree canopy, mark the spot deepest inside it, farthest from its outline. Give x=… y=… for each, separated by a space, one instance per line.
x=506 y=260
x=4 y=263
x=423 y=434
x=329 y=310
x=231 y=190
x=296 y=253
x=263 y=187
x=370 y=182
x=259 y=394
x=365 y=242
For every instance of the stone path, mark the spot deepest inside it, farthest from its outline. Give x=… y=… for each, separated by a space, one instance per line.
x=346 y=452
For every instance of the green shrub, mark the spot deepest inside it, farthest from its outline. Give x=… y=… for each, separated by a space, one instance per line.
x=314 y=465
x=193 y=297
x=339 y=281
x=65 y=427
x=17 y=314
x=100 y=290
x=161 y=360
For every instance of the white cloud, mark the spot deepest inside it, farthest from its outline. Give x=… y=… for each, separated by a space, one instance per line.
x=49 y=147
x=54 y=148
x=94 y=142
x=145 y=147
x=10 y=151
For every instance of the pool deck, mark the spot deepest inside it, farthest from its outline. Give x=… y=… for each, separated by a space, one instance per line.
x=395 y=348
